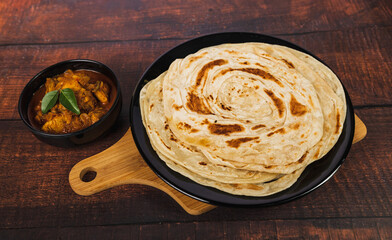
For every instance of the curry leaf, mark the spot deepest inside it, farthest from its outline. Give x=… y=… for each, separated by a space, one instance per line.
x=68 y=100
x=49 y=100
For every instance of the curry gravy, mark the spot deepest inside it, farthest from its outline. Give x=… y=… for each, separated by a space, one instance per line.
x=94 y=77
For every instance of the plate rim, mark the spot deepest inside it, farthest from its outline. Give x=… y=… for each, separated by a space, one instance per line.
x=257 y=200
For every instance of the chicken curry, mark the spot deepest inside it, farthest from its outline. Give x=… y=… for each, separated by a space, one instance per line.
x=94 y=94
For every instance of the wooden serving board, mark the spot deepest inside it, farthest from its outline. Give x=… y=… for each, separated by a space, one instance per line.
x=122 y=164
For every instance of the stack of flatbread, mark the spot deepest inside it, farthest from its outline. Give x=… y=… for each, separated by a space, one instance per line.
x=244 y=118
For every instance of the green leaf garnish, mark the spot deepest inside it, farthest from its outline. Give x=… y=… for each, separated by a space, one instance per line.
x=49 y=100
x=68 y=100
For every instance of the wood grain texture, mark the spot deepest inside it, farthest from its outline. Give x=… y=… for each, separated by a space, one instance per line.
x=36 y=202
x=37 y=21
x=361 y=58
x=368 y=228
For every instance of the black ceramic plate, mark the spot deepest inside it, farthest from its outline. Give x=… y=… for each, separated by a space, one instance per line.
x=314 y=175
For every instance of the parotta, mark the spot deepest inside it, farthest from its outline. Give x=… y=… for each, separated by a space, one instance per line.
x=244 y=118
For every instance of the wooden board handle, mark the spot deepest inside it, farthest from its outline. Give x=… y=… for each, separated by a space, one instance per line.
x=360 y=130
x=122 y=164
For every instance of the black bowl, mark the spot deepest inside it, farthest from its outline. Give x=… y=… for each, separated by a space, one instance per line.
x=313 y=176
x=75 y=138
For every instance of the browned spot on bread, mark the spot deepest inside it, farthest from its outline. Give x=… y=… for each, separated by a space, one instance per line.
x=258 y=64
x=196 y=104
x=173 y=138
x=280 y=130
x=177 y=107
x=162 y=140
x=258 y=126
x=204 y=142
x=221 y=73
x=317 y=153
x=231 y=51
x=203 y=163
x=296 y=108
x=183 y=125
x=224 y=107
x=220 y=165
x=245 y=63
x=254 y=71
x=247 y=186
x=192 y=59
x=253 y=186
x=295 y=126
x=206 y=68
x=205 y=121
x=257 y=87
x=261 y=73
x=151 y=106
x=235 y=143
x=224 y=129
x=299 y=160
x=288 y=63
x=277 y=101
x=303 y=158
x=186 y=126
x=337 y=122
x=311 y=101
x=166 y=126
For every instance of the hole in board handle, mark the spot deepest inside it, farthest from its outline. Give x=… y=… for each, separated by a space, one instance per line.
x=88 y=174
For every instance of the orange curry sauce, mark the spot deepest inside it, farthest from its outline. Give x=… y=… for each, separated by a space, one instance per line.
x=94 y=92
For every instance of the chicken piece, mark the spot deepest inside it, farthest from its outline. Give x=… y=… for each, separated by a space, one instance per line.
x=86 y=100
x=96 y=115
x=82 y=79
x=50 y=85
x=68 y=73
x=85 y=119
x=63 y=123
x=75 y=125
x=55 y=125
x=72 y=84
x=68 y=117
x=101 y=91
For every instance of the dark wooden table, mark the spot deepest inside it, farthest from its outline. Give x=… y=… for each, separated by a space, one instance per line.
x=36 y=202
